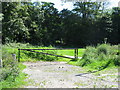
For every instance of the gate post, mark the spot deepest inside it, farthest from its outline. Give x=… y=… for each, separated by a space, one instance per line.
x=75 y=53
x=18 y=55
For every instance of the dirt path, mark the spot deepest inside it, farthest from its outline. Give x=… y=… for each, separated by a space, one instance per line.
x=62 y=75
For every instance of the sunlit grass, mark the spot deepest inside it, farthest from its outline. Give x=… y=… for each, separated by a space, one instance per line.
x=71 y=52
x=19 y=80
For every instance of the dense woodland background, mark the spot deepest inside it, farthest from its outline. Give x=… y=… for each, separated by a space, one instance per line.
x=89 y=23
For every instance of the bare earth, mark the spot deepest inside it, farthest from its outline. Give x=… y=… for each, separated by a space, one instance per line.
x=62 y=75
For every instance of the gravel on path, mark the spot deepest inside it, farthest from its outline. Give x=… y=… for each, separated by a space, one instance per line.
x=62 y=75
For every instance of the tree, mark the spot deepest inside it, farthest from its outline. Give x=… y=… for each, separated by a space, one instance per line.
x=42 y=24
x=114 y=33
x=34 y=22
x=70 y=25
x=13 y=25
x=89 y=13
x=51 y=24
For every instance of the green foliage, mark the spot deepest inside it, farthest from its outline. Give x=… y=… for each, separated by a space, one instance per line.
x=11 y=75
x=102 y=49
x=42 y=24
x=4 y=74
x=100 y=57
x=71 y=52
x=117 y=61
x=19 y=81
x=10 y=66
x=39 y=56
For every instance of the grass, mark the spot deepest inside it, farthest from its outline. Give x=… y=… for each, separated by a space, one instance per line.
x=19 y=80
x=89 y=55
x=71 y=52
x=100 y=57
x=107 y=61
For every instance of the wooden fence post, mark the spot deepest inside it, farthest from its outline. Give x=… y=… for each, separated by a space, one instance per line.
x=75 y=53
x=18 y=55
x=14 y=56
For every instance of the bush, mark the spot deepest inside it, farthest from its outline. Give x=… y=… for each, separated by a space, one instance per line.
x=11 y=81
x=4 y=73
x=10 y=66
x=116 y=61
x=90 y=53
x=103 y=49
x=100 y=57
x=88 y=57
x=10 y=74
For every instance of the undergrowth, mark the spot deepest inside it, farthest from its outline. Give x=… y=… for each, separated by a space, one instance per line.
x=100 y=57
x=11 y=75
x=9 y=79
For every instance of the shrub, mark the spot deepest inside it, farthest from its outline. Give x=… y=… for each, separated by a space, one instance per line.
x=10 y=66
x=4 y=73
x=100 y=57
x=90 y=53
x=116 y=61
x=103 y=49
x=88 y=57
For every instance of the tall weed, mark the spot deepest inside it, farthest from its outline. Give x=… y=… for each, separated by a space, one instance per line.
x=100 y=57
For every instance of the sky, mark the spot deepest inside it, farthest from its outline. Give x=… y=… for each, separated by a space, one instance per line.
x=69 y=5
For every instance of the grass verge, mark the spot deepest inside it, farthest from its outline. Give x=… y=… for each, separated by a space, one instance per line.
x=18 y=82
x=100 y=57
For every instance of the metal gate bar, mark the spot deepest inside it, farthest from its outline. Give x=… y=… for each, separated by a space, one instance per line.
x=31 y=50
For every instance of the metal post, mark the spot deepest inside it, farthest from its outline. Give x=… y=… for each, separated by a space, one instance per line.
x=18 y=55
